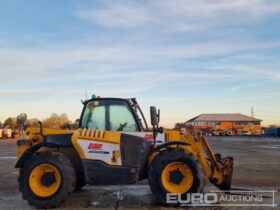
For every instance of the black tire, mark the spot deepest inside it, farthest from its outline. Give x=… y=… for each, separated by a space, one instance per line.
x=67 y=173
x=169 y=156
x=80 y=181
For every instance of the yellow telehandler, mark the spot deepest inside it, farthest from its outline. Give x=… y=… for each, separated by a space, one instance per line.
x=114 y=146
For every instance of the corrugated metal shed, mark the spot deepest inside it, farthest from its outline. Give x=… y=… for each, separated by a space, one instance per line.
x=223 y=117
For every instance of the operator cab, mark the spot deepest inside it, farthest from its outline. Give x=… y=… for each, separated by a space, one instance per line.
x=113 y=114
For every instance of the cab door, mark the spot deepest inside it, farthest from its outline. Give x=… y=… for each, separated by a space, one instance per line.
x=110 y=156
x=102 y=123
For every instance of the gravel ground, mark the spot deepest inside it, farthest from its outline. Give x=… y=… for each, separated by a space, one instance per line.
x=256 y=167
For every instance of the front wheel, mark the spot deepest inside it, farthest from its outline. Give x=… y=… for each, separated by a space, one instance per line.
x=175 y=171
x=47 y=179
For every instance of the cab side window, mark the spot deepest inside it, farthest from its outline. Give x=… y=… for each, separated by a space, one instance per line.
x=94 y=117
x=97 y=120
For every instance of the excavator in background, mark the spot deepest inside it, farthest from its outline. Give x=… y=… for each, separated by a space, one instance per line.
x=114 y=146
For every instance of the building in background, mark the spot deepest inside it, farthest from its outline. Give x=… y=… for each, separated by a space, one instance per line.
x=225 y=124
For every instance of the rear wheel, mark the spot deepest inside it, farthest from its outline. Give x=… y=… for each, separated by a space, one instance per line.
x=47 y=179
x=175 y=171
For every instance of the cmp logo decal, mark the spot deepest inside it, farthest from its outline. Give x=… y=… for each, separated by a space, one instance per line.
x=96 y=148
x=149 y=136
x=93 y=146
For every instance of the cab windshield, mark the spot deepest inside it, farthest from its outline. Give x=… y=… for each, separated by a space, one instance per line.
x=110 y=115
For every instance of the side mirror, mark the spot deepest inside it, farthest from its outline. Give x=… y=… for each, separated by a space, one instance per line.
x=21 y=119
x=154 y=116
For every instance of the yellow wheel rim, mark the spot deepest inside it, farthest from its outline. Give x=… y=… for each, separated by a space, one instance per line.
x=177 y=177
x=37 y=180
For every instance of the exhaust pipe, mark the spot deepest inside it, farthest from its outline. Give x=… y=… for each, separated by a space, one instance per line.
x=42 y=130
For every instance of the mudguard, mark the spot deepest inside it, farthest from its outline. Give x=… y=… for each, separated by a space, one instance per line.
x=52 y=141
x=171 y=143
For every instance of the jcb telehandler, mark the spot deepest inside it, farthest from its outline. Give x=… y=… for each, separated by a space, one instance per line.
x=114 y=146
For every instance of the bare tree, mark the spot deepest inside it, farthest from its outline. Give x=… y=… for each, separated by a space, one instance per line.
x=75 y=124
x=63 y=118
x=10 y=122
x=57 y=121
x=178 y=126
x=34 y=122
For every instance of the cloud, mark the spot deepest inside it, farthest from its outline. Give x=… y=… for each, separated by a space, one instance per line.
x=125 y=15
x=12 y=92
x=205 y=9
x=178 y=15
x=102 y=68
x=40 y=60
x=276 y=76
x=247 y=86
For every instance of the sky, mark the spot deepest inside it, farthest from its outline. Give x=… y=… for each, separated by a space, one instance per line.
x=186 y=57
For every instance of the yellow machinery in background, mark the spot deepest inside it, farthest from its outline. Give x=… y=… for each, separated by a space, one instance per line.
x=114 y=145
